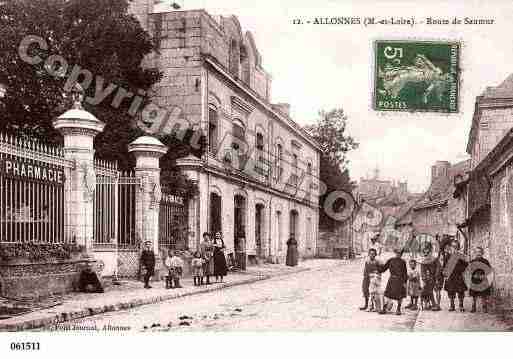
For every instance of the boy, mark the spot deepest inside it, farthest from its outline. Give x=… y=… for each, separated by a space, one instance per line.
x=371 y=266
x=197 y=268
x=147 y=262
x=480 y=268
x=174 y=265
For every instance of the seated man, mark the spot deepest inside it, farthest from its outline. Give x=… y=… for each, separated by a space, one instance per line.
x=89 y=282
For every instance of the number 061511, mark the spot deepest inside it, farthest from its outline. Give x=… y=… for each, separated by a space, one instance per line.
x=25 y=346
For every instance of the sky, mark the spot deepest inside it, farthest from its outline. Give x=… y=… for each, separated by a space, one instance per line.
x=317 y=67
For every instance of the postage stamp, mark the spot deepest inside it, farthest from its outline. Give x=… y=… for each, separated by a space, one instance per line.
x=416 y=76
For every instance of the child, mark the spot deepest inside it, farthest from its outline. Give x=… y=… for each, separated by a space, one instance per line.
x=174 y=265
x=375 y=291
x=480 y=287
x=413 y=285
x=428 y=273
x=371 y=266
x=396 y=286
x=197 y=268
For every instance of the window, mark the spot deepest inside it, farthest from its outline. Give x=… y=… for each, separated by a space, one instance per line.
x=279 y=157
x=294 y=169
x=260 y=142
x=259 y=166
x=234 y=58
x=239 y=138
x=212 y=130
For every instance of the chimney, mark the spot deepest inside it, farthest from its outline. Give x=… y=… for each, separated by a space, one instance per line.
x=439 y=170
x=283 y=108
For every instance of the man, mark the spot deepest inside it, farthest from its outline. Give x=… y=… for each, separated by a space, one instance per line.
x=147 y=262
x=479 y=269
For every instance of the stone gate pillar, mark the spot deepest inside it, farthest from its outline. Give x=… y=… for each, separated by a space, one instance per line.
x=191 y=166
x=147 y=151
x=79 y=127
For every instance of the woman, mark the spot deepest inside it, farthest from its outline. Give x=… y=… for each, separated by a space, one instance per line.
x=207 y=253
x=396 y=286
x=220 y=267
x=454 y=270
x=292 y=255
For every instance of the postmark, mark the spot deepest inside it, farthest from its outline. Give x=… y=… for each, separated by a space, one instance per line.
x=413 y=76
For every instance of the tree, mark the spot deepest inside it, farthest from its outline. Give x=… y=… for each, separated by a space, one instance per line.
x=99 y=36
x=330 y=132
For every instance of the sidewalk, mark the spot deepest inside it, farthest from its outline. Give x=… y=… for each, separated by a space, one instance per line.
x=132 y=294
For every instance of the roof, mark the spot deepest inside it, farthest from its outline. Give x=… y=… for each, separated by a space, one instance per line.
x=490 y=95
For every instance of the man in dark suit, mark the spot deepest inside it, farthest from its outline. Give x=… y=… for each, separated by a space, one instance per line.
x=147 y=263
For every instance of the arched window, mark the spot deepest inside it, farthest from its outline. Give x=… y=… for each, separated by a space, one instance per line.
x=212 y=129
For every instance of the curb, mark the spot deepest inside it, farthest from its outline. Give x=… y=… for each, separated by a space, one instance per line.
x=54 y=319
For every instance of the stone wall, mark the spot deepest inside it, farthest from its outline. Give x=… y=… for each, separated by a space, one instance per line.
x=501 y=242
x=21 y=279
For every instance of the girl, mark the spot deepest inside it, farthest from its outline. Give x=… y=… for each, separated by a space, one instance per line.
x=197 y=268
x=207 y=253
x=413 y=285
x=396 y=286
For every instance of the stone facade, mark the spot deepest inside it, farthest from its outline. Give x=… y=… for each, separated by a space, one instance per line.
x=258 y=180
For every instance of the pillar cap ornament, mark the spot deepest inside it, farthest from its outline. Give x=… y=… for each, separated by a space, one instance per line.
x=189 y=161
x=148 y=145
x=77 y=119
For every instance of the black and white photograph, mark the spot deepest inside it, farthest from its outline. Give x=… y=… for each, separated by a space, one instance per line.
x=171 y=169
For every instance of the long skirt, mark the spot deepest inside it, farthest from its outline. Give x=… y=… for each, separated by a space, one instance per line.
x=396 y=288
x=208 y=267
x=292 y=255
x=220 y=267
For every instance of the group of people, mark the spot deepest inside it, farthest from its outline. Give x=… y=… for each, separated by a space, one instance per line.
x=425 y=278
x=209 y=261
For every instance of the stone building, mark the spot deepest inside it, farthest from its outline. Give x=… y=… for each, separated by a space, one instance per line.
x=258 y=181
x=436 y=212
x=376 y=188
x=487 y=190
x=492 y=223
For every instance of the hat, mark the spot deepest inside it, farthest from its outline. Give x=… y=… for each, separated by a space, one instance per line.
x=397 y=249
x=147 y=242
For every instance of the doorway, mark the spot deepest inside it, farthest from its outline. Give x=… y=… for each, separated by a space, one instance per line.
x=259 y=224
x=239 y=240
x=215 y=213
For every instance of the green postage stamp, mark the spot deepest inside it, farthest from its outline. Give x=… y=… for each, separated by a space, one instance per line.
x=416 y=76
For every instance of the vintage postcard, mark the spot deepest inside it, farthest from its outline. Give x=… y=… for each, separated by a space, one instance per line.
x=178 y=167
